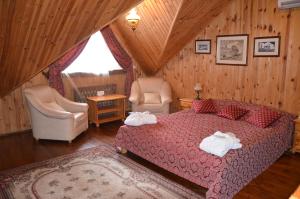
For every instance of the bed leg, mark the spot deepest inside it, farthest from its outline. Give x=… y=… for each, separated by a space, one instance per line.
x=121 y=150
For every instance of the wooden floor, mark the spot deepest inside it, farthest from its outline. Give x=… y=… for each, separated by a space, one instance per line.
x=279 y=181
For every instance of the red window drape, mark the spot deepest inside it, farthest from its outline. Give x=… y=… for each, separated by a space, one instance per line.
x=55 y=69
x=120 y=55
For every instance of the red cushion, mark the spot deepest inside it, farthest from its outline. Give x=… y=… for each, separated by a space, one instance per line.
x=232 y=112
x=263 y=117
x=204 y=106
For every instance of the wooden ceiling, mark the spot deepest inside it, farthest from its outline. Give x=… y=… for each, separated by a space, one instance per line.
x=166 y=26
x=34 y=33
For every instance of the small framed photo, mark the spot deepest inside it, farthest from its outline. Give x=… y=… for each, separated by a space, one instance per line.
x=266 y=46
x=202 y=47
x=232 y=49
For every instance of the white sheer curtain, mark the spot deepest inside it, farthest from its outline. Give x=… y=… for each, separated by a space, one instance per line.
x=96 y=58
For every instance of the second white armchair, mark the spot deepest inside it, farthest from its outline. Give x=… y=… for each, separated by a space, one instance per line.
x=151 y=94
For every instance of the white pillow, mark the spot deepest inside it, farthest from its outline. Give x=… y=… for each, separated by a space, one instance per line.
x=152 y=98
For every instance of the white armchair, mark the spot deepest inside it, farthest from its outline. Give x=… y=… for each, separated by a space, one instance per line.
x=53 y=116
x=150 y=94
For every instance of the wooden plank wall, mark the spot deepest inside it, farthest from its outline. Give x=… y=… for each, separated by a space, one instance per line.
x=269 y=81
x=13 y=108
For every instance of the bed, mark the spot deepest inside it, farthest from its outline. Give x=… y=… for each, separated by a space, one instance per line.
x=173 y=143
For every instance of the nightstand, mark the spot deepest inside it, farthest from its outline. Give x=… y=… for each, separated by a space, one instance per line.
x=296 y=143
x=185 y=103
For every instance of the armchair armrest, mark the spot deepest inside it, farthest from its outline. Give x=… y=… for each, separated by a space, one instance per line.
x=165 y=93
x=48 y=111
x=56 y=113
x=69 y=105
x=135 y=93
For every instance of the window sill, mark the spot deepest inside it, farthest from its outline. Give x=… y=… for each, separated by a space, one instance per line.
x=79 y=74
x=117 y=72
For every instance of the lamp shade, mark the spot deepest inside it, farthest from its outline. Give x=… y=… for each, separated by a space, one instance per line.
x=197 y=87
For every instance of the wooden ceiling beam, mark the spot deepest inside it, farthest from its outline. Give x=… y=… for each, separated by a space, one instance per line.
x=190 y=18
x=34 y=33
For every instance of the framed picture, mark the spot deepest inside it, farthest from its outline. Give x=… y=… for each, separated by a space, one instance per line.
x=266 y=46
x=232 y=49
x=202 y=46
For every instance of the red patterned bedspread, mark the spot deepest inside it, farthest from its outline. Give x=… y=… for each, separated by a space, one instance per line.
x=173 y=143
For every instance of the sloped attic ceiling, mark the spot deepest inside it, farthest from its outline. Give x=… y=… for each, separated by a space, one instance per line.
x=33 y=33
x=166 y=26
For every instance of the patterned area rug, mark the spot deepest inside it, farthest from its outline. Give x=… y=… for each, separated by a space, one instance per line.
x=93 y=173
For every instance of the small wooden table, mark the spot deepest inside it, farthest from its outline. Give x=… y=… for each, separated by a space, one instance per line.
x=185 y=103
x=118 y=110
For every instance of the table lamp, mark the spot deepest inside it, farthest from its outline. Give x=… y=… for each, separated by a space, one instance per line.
x=197 y=89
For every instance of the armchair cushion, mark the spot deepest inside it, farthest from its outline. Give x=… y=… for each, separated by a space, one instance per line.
x=152 y=98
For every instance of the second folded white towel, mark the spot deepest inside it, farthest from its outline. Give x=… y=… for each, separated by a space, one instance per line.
x=220 y=143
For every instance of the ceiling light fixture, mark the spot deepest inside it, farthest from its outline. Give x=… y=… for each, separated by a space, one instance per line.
x=133 y=19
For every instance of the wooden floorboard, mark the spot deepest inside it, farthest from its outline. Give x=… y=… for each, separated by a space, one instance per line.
x=277 y=182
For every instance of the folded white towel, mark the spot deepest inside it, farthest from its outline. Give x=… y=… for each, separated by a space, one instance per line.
x=220 y=143
x=140 y=118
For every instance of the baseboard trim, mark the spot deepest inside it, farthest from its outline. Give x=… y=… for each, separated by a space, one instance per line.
x=15 y=133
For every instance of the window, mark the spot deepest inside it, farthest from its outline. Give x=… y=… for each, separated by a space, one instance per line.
x=95 y=58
